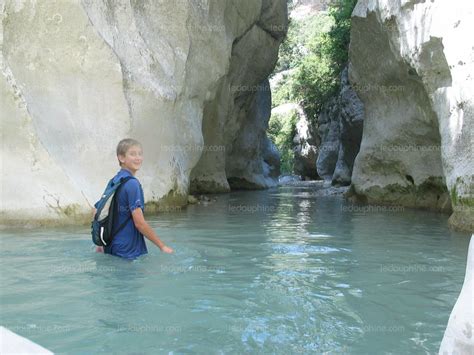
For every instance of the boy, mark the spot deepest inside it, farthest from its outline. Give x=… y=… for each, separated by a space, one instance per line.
x=129 y=242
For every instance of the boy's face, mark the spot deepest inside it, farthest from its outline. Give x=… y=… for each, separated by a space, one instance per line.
x=133 y=158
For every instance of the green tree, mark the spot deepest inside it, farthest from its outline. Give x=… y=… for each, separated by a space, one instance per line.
x=317 y=78
x=312 y=57
x=281 y=130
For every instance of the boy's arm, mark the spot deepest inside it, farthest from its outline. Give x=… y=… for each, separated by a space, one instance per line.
x=147 y=231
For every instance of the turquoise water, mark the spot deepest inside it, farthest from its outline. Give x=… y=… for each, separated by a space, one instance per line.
x=277 y=271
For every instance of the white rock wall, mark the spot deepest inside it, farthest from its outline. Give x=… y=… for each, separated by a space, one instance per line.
x=78 y=76
x=412 y=64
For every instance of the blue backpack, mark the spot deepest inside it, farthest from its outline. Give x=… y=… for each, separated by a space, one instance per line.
x=102 y=226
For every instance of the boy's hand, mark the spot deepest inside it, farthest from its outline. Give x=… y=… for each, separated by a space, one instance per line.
x=167 y=250
x=99 y=249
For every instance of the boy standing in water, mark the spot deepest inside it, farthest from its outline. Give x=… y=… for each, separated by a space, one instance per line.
x=129 y=242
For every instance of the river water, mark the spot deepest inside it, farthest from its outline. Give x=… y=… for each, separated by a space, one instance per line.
x=276 y=271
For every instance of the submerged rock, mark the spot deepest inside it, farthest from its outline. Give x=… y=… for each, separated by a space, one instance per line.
x=414 y=76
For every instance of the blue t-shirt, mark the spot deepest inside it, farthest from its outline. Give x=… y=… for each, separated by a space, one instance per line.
x=129 y=242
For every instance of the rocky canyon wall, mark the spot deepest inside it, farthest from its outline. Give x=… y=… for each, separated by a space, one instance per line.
x=412 y=65
x=340 y=128
x=186 y=78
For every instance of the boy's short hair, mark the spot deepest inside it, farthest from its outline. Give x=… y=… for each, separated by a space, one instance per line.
x=124 y=145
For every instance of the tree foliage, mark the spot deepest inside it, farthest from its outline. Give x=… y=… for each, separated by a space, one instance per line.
x=317 y=78
x=281 y=130
x=310 y=62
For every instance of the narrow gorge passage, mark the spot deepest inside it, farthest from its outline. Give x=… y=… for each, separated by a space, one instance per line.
x=237 y=176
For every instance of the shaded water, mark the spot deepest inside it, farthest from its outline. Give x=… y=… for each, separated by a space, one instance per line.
x=276 y=271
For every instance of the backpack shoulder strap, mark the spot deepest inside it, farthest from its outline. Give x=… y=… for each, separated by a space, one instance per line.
x=122 y=180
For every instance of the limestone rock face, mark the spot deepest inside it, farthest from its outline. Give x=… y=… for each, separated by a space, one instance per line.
x=236 y=119
x=304 y=136
x=252 y=160
x=340 y=128
x=12 y=343
x=78 y=76
x=328 y=128
x=459 y=337
x=413 y=73
x=307 y=143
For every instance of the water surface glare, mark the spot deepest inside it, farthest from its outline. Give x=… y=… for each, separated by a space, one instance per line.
x=276 y=271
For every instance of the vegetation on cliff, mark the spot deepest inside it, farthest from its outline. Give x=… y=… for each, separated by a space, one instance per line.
x=310 y=62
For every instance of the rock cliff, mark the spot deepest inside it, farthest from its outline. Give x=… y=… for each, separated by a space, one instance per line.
x=413 y=73
x=307 y=142
x=458 y=337
x=340 y=128
x=183 y=77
